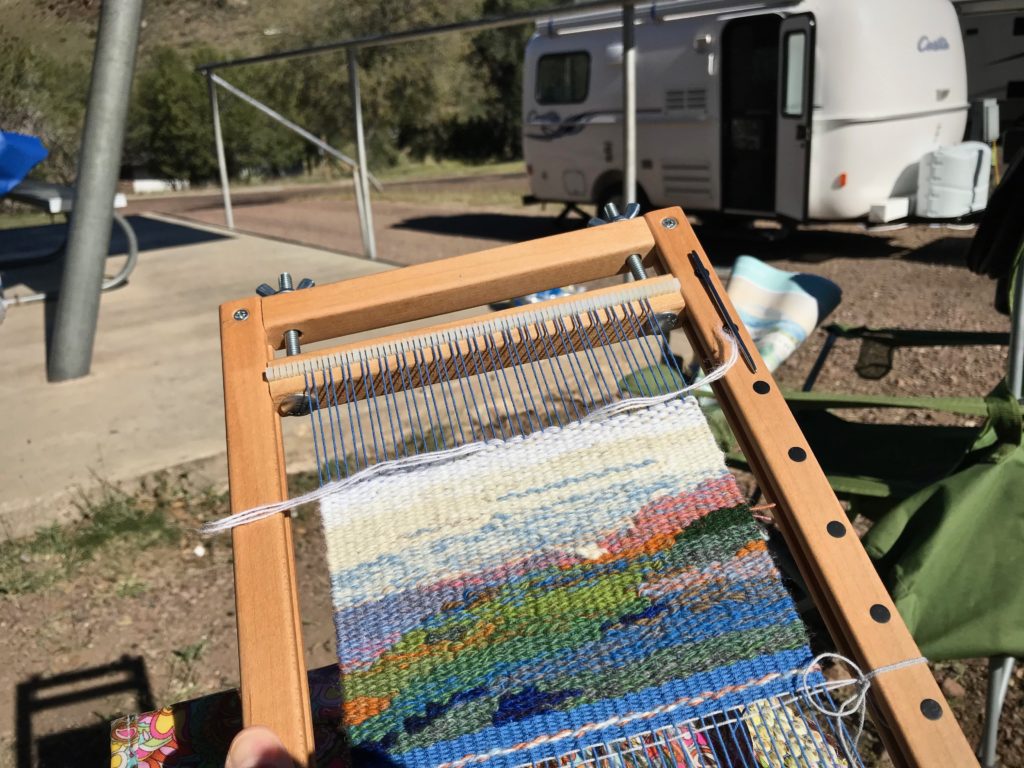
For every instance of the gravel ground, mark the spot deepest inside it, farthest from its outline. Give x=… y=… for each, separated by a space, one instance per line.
x=172 y=608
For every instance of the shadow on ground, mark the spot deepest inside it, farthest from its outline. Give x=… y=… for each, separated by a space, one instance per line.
x=26 y=244
x=951 y=251
x=723 y=245
x=813 y=246
x=723 y=241
x=78 y=745
x=33 y=256
x=510 y=227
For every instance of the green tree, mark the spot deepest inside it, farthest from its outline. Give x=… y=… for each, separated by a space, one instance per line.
x=452 y=95
x=169 y=121
x=410 y=91
x=456 y=94
x=43 y=97
x=499 y=54
x=170 y=125
x=255 y=144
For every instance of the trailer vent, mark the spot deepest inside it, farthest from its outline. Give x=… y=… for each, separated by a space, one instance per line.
x=675 y=100
x=686 y=99
x=687 y=179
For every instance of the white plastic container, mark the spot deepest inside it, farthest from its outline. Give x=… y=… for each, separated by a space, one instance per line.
x=953 y=181
x=892 y=209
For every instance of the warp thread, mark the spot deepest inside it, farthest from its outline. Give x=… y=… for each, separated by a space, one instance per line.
x=856 y=704
x=261 y=512
x=578 y=587
x=618 y=720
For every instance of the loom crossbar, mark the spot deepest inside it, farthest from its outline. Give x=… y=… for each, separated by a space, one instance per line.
x=921 y=728
x=288 y=378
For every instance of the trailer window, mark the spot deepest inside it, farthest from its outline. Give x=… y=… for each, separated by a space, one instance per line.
x=795 y=48
x=563 y=78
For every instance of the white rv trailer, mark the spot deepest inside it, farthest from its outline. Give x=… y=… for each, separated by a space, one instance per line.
x=808 y=109
x=993 y=33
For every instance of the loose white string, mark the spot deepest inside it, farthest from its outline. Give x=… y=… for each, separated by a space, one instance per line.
x=635 y=403
x=385 y=467
x=856 y=703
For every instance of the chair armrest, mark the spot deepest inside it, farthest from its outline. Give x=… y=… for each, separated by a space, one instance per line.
x=967 y=406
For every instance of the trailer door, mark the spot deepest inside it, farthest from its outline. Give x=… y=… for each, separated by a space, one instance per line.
x=750 y=72
x=793 y=137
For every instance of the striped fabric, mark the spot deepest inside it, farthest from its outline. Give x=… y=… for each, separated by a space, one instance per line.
x=540 y=595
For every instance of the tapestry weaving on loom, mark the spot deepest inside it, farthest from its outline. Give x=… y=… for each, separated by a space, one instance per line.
x=585 y=584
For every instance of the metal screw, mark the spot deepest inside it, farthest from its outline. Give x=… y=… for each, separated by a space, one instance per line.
x=285 y=285
x=611 y=212
x=669 y=223
x=666 y=321
x=297 y=405
x=636 y=266
x=291 y=338
x=241 y=314
x=291 y=343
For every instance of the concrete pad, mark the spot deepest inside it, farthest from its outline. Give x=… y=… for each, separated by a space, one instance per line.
x=153 y=399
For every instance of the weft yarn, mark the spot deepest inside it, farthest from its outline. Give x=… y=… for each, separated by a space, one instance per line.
x=263 y=511
x=596 y=582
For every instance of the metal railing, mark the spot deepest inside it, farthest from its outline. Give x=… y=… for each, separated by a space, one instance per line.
x=361 y=177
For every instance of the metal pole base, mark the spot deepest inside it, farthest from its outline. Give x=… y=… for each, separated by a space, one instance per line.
x=1000 y=670
x=74 y=324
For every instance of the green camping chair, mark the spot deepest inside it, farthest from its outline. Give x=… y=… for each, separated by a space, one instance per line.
x=961 y=492
x=960 y=495
x=946 y=524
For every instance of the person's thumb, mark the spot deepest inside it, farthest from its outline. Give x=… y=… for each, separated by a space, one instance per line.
x=257 y=747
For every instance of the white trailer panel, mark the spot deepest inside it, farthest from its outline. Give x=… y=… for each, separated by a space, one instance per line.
x=814 y=109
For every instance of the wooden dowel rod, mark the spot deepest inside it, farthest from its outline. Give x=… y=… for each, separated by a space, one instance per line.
x=662 y=287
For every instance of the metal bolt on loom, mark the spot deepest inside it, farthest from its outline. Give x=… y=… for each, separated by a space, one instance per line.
x=284 y=281
x=636 y=268
x=611 y=213
x=634 y=263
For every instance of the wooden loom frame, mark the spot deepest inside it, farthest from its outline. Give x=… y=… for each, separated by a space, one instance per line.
x=857 y=610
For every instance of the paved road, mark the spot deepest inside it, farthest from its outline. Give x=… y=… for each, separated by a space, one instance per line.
x=418 y=221
x=407 y=232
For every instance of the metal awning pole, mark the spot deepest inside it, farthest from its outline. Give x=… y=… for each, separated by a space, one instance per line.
x=222 y=165
x=1015 y=359
x=78 y=306
x=357 y=190
x=628 y=103
x=1000 y=668
x=362 y=178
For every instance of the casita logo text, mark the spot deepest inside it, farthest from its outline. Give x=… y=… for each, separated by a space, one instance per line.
x=938 y=44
